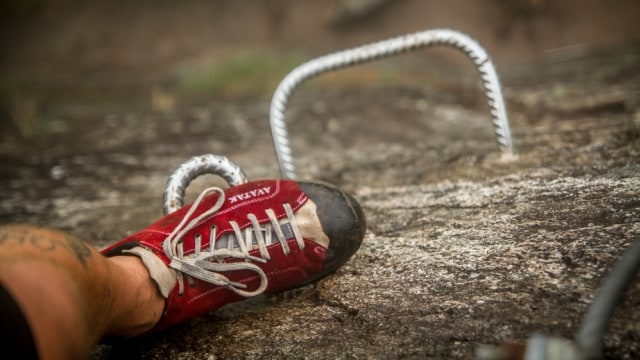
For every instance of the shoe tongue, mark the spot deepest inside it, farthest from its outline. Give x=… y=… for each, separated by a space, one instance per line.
x=223 y=241
x=163 y=276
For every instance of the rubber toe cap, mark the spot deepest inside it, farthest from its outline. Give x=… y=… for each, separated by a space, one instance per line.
x=342 y=220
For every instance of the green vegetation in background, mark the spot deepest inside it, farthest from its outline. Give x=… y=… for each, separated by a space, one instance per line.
x=258 y=74
x=242 y=75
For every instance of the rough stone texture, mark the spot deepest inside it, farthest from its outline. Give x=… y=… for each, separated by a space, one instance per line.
x=464 y=245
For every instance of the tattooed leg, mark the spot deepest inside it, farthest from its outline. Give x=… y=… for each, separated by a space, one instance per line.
x=44 y=242
x=70 y=294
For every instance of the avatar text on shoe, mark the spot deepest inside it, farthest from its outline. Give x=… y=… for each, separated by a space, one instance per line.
x=258 y=237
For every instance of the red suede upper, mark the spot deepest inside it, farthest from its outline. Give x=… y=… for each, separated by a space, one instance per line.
x=254 y=197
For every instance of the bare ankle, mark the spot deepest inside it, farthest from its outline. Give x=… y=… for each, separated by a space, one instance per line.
x=137 y=304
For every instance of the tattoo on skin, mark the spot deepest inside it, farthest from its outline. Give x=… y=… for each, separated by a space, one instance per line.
x=57 y=241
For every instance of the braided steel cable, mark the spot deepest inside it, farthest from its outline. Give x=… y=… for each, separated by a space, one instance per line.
x=610 y=295
x=373 y=51
x=194 y=167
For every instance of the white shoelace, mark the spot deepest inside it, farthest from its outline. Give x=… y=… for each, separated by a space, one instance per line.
x=207 y=264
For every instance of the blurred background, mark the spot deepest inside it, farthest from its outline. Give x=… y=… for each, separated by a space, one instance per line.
x=100 y=100
x=161 y=54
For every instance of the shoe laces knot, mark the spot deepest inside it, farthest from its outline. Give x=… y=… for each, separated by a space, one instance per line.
x=207 y=264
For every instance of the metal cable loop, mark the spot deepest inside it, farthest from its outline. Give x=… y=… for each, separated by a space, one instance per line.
x=377 y=50
x=194 y=167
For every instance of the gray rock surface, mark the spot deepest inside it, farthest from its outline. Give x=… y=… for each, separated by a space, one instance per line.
x=464 y=246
